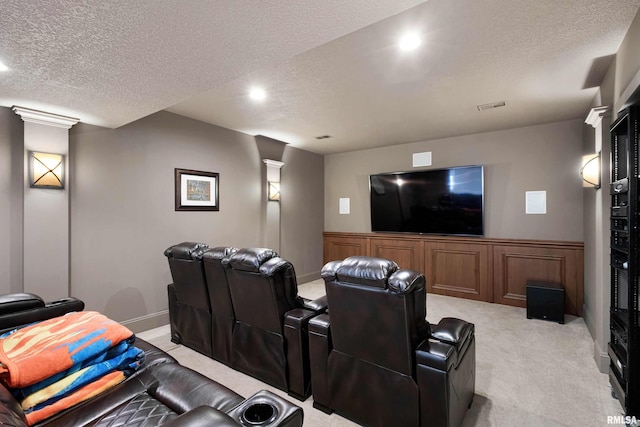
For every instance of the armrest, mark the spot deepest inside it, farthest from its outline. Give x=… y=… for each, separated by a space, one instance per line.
x=35 y=314
x=202 y=416
x=183 y=389
x=449 y=341
x=318 y=305
x=297 y=339
x=298 y=318
x=436 y=354
x=453 y=331
x=69 y=302
x=11 y=303
x=319 y=348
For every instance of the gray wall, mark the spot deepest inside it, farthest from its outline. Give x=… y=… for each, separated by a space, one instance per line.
x=596 y=244
x=122 y=208
x=46 y=219
x=5 y=199
x=11 y=199
x=545 y=157
x=302 y=211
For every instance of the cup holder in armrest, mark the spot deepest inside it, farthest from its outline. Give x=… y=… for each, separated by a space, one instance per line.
x=259 y=413
x=266 y=409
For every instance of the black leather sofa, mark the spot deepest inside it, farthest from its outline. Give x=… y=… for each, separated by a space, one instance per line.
x=160 y=393
x=374 y=357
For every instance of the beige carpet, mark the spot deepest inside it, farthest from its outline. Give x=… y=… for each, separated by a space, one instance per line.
x=528 y=372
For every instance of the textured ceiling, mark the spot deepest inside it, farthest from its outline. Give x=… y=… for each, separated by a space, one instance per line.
x=112 y=62
x=328 y=67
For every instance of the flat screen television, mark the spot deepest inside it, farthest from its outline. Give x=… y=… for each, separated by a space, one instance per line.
x=435 y=201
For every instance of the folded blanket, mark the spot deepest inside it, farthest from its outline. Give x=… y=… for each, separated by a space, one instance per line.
x=36 y=352
x=87 y=392
x=113 y=352
x=39 y=394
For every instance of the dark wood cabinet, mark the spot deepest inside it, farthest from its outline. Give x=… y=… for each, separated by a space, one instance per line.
x=491 y=270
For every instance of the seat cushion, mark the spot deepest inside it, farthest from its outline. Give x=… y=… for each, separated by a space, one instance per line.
x=156 y=395
x=143 y=410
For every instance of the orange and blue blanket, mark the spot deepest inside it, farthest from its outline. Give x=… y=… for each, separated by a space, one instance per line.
x=57 y=363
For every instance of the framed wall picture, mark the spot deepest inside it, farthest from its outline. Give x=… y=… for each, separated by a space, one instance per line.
x=196 y=190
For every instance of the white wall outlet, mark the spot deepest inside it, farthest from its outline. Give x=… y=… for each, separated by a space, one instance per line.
x=344 y=206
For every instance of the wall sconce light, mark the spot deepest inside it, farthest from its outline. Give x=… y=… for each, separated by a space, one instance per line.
x=590 y=170
x=46 y=170
x=274 y=191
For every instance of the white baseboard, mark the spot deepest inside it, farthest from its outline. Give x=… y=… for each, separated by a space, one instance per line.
x=309 y=277
x=150 y=321
x=601 y=358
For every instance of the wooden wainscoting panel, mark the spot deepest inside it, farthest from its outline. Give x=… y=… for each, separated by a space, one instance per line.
x=406 y=253
x=486 y=269
x=339 y=248
x=459 y=270
x=514 y=265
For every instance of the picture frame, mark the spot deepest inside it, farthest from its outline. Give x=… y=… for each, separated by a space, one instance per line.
x=196 y=190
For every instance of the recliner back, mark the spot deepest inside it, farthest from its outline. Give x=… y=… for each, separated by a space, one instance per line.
x=377 y=311
x=185 y=263
x=216 y=277
x=222 y=315
x=263 y=287
x=189 y=306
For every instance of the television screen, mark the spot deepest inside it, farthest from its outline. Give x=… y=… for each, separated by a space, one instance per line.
x=437 y=201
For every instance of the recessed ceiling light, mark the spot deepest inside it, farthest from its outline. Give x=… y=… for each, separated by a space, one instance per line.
x=257 y=94
x=410 y=41
x=3 y=67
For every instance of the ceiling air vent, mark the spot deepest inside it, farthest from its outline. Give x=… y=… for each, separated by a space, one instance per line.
x=323 y=137
x=492 y=105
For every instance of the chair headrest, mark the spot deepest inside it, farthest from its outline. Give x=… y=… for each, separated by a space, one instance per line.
x=275 y=264
x=361 y=270
x=186 y=250
x=405 y=281
x=375 y=272
x=249 y=259
x=218 y=253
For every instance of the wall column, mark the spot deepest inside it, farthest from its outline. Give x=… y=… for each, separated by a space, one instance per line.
x=272 y=225
x=600 y=273
x=46 y=211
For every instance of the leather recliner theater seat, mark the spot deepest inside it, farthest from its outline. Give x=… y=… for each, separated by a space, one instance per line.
x=189 y=303
x=374 y=357
x=270 y=337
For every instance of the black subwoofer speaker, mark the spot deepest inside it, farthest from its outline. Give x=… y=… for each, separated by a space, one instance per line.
x=545 y=300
